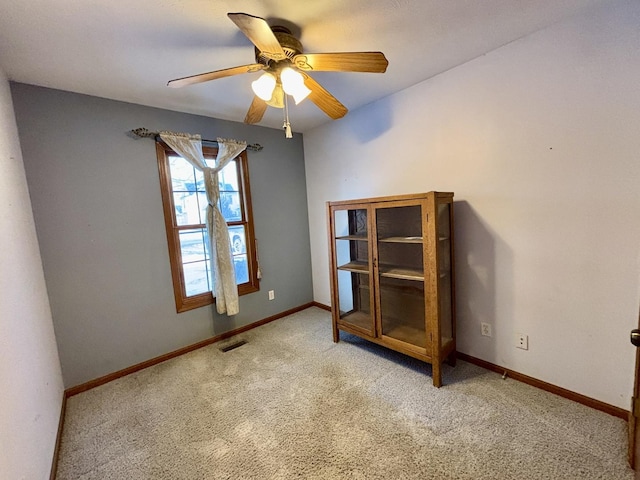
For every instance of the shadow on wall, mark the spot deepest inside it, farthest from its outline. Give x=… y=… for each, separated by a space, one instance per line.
x=478 y=299
x=370 y=123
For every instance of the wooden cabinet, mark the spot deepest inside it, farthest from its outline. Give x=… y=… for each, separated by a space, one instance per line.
x=392 y=276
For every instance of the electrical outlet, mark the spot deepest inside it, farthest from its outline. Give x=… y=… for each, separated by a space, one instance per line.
x=485 y=329
x=522 y=341
x=272 y=294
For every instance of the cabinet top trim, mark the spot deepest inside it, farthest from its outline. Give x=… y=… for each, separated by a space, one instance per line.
x=413 y=196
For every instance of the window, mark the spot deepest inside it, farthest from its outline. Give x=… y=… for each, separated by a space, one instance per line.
x=185 y=205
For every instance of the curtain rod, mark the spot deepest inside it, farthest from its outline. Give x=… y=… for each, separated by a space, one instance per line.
x=145 y=133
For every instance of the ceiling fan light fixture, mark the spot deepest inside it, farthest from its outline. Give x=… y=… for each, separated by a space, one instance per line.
x=264 y=86
x=293 y=84
x=302 y=93
x=277 y=98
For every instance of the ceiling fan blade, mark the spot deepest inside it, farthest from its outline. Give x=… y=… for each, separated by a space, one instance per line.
x=323 y=99
x=205 y=77
x=259 y=32
x=256 y=110
x=372 y=62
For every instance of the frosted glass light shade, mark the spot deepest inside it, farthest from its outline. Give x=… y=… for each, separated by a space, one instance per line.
x=263 y=86
x=293 y=84
x=277 y=98
x=300 y=94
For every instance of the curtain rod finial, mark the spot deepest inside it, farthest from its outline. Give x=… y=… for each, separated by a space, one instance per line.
x=143 y=132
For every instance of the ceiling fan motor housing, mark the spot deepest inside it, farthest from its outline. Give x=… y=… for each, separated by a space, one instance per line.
x=290 y=44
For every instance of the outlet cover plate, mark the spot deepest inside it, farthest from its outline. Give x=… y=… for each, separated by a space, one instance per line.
x=522 y=341
x=485 y=329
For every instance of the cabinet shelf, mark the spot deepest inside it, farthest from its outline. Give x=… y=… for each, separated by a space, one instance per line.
x=407 y=334
x=357 y=267
x=360 y=237
x=357 y=318
x=401 y=240
x=401 y=273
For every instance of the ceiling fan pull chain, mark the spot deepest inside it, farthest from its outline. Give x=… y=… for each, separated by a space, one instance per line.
x=287 y=125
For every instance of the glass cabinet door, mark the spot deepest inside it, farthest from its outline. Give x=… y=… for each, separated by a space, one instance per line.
x=400 y=273
x=353 y=262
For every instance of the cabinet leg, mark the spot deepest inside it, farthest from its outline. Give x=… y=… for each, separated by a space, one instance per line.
x=451 y=359
x=336 y=334
x=437 y=374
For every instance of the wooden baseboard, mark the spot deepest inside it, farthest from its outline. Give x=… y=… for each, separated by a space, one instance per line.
x=69 y=392
x=56 y=449
x=321 y=305
x=548 y=387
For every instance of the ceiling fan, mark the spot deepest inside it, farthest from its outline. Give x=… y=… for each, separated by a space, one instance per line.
x=280 y=56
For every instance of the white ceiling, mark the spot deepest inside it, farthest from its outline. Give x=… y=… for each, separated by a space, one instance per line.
x=128 y=50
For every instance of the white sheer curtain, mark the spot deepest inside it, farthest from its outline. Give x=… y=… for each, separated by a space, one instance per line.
x=189 y=147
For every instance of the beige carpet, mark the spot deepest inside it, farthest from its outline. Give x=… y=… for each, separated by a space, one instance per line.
x=292 y=404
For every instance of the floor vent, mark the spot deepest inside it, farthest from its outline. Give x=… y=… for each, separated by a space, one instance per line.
x=232 y=346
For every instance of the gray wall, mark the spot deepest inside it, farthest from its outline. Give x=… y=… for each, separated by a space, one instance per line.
x=98 y=214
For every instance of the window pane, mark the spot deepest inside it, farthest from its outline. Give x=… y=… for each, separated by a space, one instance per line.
x=192 y=245
x=196 y=278
x=199 y=180
x=186 y=208
x=230 y=206
x=202 y=202
x=236 y=236
x=242 y=268
x=229 y=193
x=182 y=175
x=228 y=177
